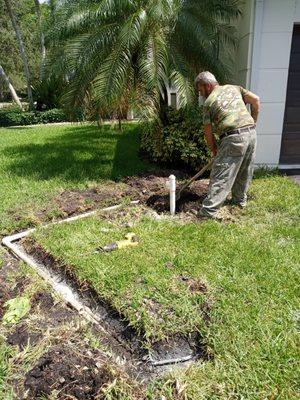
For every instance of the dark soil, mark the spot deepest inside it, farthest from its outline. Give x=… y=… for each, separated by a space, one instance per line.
x=149 y=189
x=22 y=337
x=4 y=296
x=77 y=201
x=43 y=300
x=197 y=286
x=9 y=290
x=61 y=313
x=77 y=372
x=152 y=191
x=54 y=313
x=206 y=311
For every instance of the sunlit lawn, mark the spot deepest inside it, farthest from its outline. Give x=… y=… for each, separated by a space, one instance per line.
x=250 y=267
x=36 y=163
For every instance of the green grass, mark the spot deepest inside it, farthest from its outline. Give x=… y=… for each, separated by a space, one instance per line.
x=251 y=267
x=36 y=163
x=5 y=354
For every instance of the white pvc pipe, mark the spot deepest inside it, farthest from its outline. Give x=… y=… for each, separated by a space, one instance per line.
x=61 y=287
x=20 y=235
x=172 y=181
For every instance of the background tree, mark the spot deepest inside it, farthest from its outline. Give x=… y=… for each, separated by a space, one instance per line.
x=22 y=49
x=107 y=49
x=14 y=95
x=10 y=57
x=42 y=39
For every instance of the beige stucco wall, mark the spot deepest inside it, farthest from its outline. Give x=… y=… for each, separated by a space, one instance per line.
x=262 y=65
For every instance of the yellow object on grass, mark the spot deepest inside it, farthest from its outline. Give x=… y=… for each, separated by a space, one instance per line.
x=131 y=240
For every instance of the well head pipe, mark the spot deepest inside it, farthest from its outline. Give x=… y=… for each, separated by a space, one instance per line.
x=172 y=186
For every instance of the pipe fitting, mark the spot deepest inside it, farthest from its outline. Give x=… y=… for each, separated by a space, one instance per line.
x=172 y=187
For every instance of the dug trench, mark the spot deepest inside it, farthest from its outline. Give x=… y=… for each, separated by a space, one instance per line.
x=125 y=342
x=59 y=367
x=149 y=189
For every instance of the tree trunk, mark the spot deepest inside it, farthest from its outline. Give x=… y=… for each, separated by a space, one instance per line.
x=120 y=123
x=163 y=104
x=22 y=51
x=10 y=87
x=42 y=38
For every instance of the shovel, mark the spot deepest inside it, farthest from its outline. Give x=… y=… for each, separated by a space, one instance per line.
x=188 y=183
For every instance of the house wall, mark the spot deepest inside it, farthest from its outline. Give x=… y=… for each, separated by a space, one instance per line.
x=245 y=25
x=263 y=62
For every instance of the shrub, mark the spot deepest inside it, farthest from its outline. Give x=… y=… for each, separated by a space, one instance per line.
x=14 y=116
x=180 y=141
x=10 y=116
x=54 y=115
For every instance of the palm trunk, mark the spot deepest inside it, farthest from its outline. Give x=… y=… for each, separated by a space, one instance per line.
x=42 y=38
x=163 y=104
x=10 y=87
x=120 y=123
x=22 y=51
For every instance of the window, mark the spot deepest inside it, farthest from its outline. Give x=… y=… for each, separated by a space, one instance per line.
x=173 y=97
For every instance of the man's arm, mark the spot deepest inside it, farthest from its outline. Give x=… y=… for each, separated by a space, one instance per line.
x=254 y=101
x=210 y=139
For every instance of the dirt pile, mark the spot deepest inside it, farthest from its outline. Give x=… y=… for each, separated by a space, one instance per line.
x=151 y=190
x=68 y=372
x=22 y=337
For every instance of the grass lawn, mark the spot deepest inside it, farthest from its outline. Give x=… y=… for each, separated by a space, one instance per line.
x=251 y=268
x=36 y=163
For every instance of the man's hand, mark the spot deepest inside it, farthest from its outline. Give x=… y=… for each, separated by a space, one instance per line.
x=210 y=139
x=254 y=101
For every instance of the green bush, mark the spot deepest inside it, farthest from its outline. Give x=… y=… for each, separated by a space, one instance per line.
x=180 y=142
x=14 y=116
x=54 y=115
x=10 y=116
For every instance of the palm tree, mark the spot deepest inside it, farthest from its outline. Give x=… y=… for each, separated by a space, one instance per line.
x=22 y=50
x=115 y=52
x=42 y=39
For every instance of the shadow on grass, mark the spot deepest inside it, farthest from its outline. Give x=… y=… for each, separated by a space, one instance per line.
x=17 y=128
x=79 y=154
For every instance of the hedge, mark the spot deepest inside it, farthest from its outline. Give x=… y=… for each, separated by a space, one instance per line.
x=14 y=116
x=180 y=141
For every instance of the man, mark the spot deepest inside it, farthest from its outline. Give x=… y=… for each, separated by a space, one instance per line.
x=226 y=115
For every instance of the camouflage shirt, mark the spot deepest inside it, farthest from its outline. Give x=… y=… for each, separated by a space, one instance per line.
x=225 y=109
